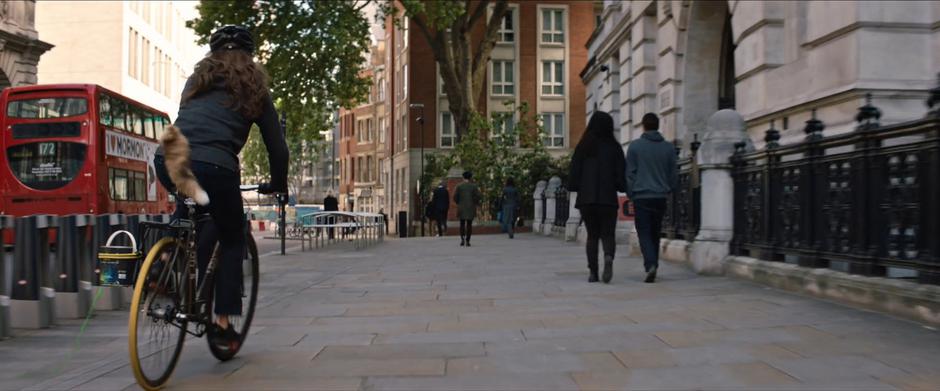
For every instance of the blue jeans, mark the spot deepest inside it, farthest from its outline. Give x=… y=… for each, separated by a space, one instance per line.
x=649 y=225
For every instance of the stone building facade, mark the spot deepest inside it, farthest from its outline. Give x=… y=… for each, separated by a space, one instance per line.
x=771 y=61
x=20 y=47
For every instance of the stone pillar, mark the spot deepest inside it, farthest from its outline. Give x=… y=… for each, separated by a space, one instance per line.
x=574 y=218
x=537 y=197
x=712 y=245
x=550 y=204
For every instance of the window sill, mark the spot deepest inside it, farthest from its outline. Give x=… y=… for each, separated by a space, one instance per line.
x=552 y=44
x=506 y=43
x=552 y=97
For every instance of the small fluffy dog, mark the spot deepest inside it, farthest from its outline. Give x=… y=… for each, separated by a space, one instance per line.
x=176 y=152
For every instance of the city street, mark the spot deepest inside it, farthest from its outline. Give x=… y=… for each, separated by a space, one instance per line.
x=426 y=314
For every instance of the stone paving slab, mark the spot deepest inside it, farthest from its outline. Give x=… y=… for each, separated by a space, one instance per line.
x=426 y=314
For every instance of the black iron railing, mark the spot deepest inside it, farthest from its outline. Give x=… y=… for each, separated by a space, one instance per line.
x=682 y=217
x=561 y=206
x=861 y=202
x=544 y=206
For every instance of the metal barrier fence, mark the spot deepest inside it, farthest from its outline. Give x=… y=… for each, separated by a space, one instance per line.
x=862 y=202
x=683 y=207
x=321 y=228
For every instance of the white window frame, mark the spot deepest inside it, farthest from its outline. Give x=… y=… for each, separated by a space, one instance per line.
x=556 y=87
x=554 y=126
x=498 y=69
x=447 y=121
x=555 y=33
x=499 y=127
x=503 y=32
x=404 y=84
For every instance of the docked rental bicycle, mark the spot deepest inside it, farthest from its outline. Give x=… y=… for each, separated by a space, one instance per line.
x=173 y=298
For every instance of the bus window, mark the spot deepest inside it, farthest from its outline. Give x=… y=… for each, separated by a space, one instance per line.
x=104 y=110
x=119 y=185
x=46 y=165
x=47 y=108
x=119 y=113
x=162 y=122
x=148 y=125
x=140 y=186
x=138 y=122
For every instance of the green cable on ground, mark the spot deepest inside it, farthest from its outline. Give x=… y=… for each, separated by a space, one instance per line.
x=81 y=331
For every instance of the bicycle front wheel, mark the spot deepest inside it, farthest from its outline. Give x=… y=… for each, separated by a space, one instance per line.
x=155 y=333
x=248 y=289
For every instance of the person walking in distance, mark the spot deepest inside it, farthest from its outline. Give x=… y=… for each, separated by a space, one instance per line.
x=510 y=202
x=330 y=204
x=441 y=203
x=652 y=173
x=467 y=197
x=597 y=174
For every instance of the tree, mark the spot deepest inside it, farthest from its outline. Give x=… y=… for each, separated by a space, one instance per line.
x=495 y=153
x=303 y=152
x=448 y=27
x=313 y=51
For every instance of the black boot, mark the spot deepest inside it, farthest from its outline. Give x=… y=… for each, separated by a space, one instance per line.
x=592 y=266
x=608 y=268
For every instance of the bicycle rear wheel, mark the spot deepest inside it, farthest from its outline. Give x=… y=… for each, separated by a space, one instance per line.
x=249 y=293
x=155 y=333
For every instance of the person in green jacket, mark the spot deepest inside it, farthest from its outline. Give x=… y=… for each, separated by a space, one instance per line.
x=467 y=197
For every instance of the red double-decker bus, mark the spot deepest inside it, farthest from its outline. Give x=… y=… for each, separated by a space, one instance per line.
x=78 y=148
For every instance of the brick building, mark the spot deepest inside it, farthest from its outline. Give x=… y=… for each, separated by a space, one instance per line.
x=540 y=52
x=361 y=143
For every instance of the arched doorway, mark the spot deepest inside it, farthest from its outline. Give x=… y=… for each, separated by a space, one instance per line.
x=708 y=80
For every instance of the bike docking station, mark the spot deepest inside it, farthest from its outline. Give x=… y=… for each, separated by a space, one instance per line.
x=74 y=273
x=6 y=279
x=32 y=294
x=111 y=297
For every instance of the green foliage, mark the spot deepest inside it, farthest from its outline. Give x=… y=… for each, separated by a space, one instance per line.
x=313 y=51
x=495 y=156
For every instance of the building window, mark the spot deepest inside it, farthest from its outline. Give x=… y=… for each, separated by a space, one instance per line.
x=503 y=78
x=553 y=78
x=553 y=125
x=382 y=89
x=504 y=126
x=448 y=137
x=506 y=32
x=382 y=130
x=404 y=84
x=132 y=52
x=553 y=30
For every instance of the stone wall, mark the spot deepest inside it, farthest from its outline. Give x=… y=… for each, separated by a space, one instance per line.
x=20 y=47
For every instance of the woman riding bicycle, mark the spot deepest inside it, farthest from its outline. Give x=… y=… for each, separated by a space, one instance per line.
x=224 y=96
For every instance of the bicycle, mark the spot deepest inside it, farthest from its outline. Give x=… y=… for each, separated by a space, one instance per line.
x=172 y=291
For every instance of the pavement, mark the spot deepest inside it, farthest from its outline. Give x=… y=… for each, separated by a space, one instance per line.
x=426 y=314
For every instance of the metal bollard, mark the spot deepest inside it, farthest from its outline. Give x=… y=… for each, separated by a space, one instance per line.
x=33 y=298
x=74 y=266
x=6 y=279
x=105 y=225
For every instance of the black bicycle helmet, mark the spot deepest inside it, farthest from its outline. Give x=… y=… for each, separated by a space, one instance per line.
x=232 y=37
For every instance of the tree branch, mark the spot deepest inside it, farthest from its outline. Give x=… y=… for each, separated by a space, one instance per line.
x=482 y=56
x=363 y=6
x=478 y=12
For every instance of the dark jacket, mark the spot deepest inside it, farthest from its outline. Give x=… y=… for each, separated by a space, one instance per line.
x=651 y=167
x=510 y=197
x=598 y=178
x=441 y=199
x=217 y=132
x=330 y=204
x=467 y=196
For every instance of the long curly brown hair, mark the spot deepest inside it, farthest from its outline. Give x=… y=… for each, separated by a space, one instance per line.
x=246 y=80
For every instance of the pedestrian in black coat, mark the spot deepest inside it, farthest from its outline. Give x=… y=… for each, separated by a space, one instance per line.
x=330 y=204
x=441 y=204
x=597 y=174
